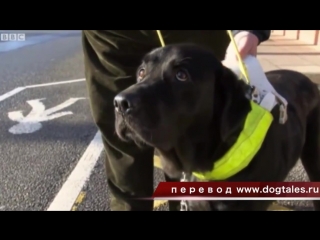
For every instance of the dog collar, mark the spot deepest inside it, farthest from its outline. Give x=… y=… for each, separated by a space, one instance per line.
x=239 y=156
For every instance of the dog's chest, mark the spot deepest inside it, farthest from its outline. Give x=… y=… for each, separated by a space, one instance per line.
x=207 y=206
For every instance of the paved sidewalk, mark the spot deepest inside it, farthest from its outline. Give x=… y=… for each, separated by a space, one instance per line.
x=282 y=52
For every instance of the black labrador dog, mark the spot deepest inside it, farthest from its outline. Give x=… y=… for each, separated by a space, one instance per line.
x=191 y=109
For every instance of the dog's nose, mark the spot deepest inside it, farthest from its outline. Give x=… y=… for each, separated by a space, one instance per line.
x=124 y=103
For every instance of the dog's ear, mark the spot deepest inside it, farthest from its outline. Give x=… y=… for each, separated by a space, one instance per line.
x=235 y=104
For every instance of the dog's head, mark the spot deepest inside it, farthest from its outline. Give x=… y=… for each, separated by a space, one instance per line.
x=174 y=91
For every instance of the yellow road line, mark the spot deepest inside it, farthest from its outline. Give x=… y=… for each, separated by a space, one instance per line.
x=78 y=201
x=156 y=162
x=159 y=203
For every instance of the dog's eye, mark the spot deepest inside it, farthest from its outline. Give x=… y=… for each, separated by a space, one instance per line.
x=141 y=73
x=182 y=75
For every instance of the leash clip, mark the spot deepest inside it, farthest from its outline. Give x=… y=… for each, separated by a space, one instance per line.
x=268 y=103
x=183 y=203
x=283 y=114
x=255 y=95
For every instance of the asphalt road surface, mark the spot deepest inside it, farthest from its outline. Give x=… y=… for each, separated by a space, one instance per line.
x=51 y=155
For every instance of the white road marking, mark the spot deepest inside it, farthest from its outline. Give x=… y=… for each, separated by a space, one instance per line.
x=55 y=83
x=81 y=173
x=11 y=93
x=32 y=122
x=20 y=89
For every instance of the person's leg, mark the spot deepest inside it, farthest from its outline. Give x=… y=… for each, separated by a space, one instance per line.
x=111 y=59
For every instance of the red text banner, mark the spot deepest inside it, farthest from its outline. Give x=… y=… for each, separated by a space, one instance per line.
x=238 y=190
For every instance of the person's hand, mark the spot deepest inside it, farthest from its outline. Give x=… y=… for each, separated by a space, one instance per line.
x=247 y=45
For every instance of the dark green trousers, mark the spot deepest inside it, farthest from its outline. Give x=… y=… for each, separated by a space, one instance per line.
x=111 y=59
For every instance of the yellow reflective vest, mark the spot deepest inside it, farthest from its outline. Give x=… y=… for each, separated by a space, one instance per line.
x=245 y=148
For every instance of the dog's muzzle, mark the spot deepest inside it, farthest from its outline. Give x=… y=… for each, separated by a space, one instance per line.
x=125 y=103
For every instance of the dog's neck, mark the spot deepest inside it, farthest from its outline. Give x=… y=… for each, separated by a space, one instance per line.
x=231 y=107
x=211 y=138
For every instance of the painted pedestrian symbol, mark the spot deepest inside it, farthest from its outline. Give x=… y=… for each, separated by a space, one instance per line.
x=32 y=122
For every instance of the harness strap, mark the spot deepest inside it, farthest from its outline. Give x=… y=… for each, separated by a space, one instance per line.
x=242 y=66
x=160 y=38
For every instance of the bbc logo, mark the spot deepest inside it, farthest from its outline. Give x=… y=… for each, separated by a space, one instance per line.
x=12 y=37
